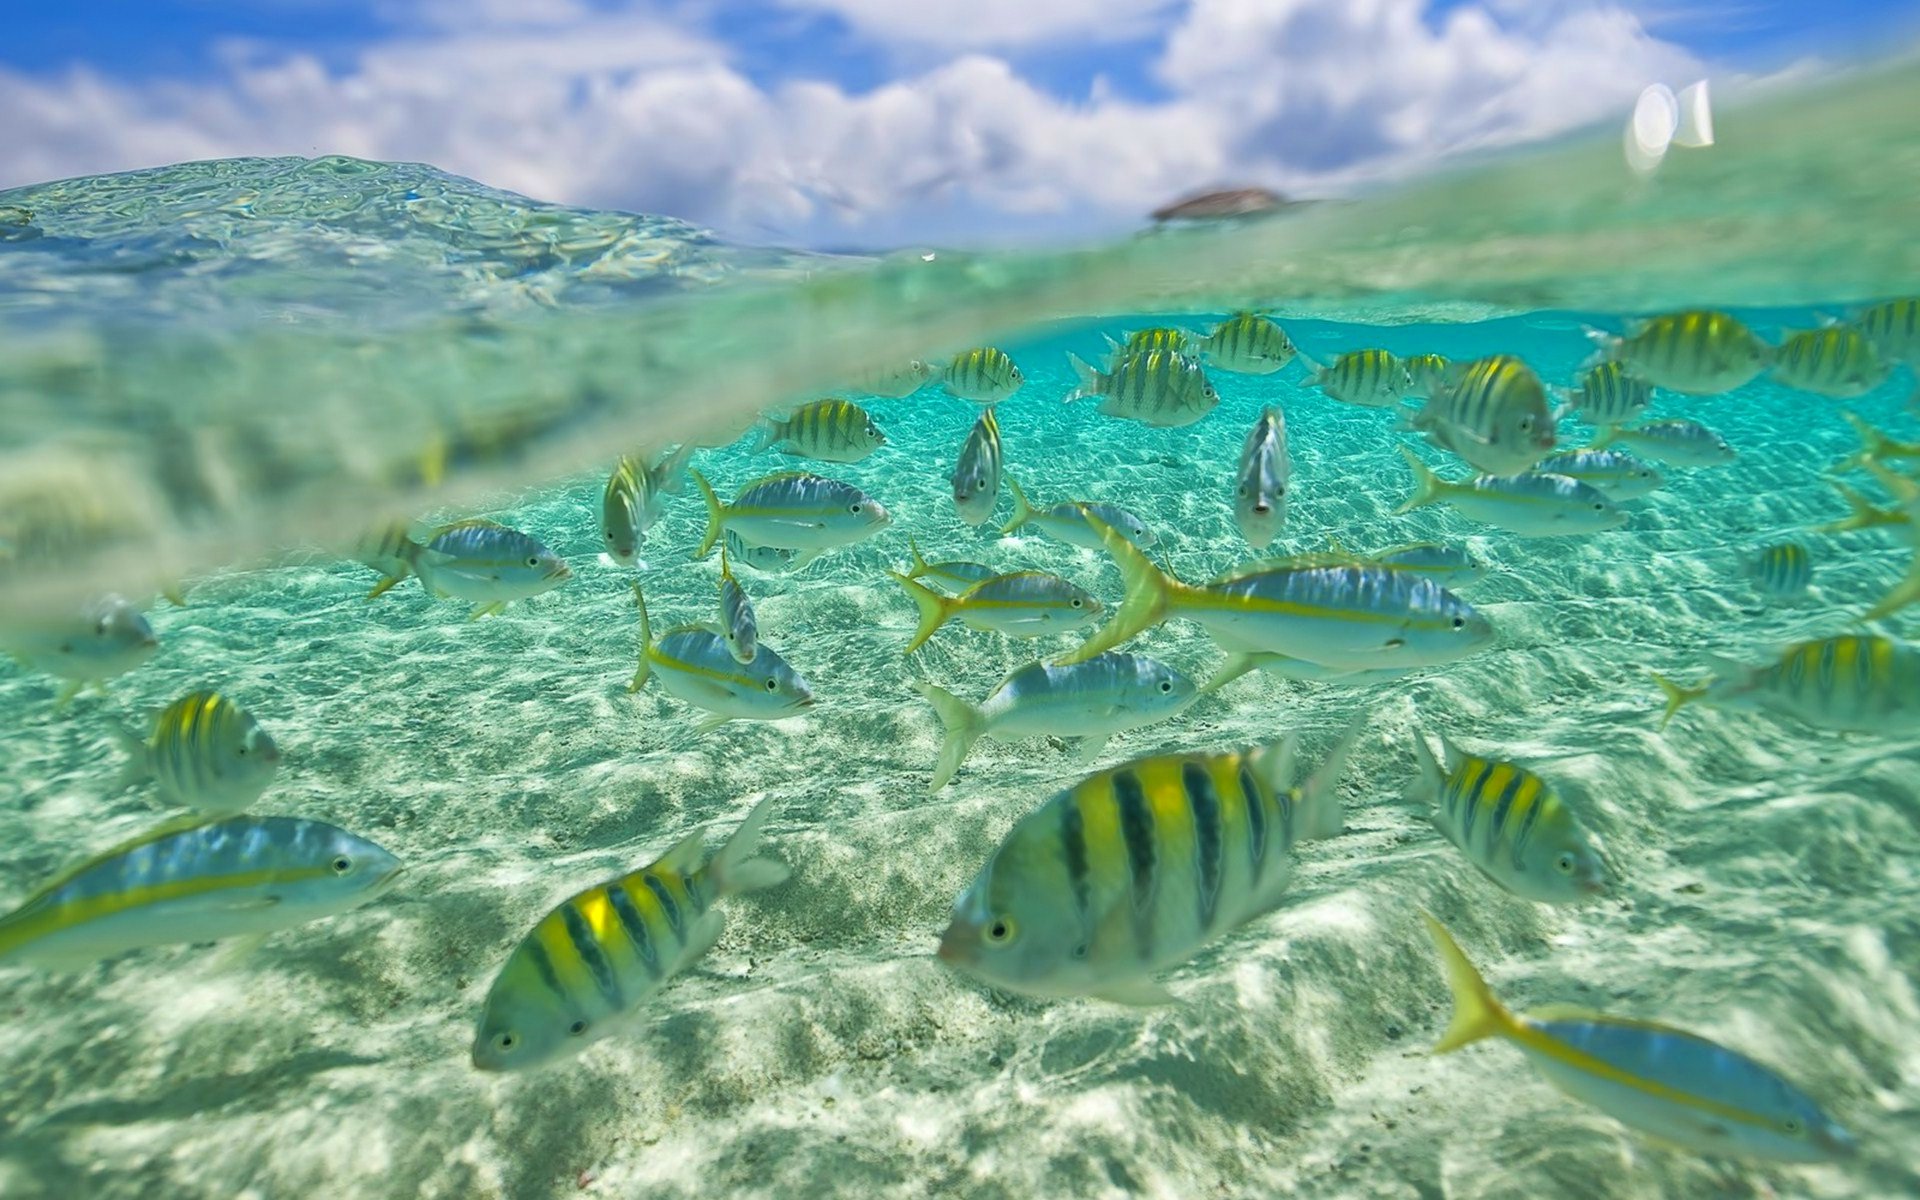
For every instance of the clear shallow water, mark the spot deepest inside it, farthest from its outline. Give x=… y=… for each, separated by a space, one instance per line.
x=1769 y=897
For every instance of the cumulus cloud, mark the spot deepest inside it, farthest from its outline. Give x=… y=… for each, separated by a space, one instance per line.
x=574 y=103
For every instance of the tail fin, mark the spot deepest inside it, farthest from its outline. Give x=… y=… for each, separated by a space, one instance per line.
x=734 y=869
x=646 y=643
x=919 y=566
x=766 y=433
x=670 y=473
x=963 y=724
x=1872 y=442
x=139 y=765
x=1022 y=511
x=1316 y=803
x=1906 y=592
x=1678 y=697
x=1862 y=514
x=1476 y=1013
x=386 y=583
x=716 y=515
x=1428 y=488
x=1091 y=382
x=934 y=609
x=1313 y=365
x=1151 y=594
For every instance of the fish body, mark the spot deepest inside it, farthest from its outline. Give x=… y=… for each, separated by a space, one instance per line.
x=984 y=375
x=1090 y=701
x=1162 y=388
x=1853 y=683
x=205 y=752
x=1621 y=476
x=1700 y=353
x=1510 y=825
x=768 y=560
x=1893 y=327
x=1068 y=521
x=1448 y=566
x=1675 y=443
x=1608 y=395
x=895 y=382
x=1429 y=375
x=1021 y=604
x=486 y=564
x=837 y=431
x=1836 y=361
x=976 y=477
x=697 y=665
x=957 y=574
x=1142 y=341
x=1676 y=1086
x=793 y=510
x=635 y=497
x=100 y=640
x=1288 y=667
x=1783 y=570
x=196 y=882
x=587 y=969
x=1137 y=868
x=737 y=624
x=1260 y=483
x=1530 y=504
x=1495 y=416
x=1249 y=344
x=1369 y=378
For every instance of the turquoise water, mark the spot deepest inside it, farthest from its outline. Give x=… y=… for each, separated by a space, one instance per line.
x=287 y=343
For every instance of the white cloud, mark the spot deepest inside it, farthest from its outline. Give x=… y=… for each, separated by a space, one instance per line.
x=994 y=24
x=629 y=111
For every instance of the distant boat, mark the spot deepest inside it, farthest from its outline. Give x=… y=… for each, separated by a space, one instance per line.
x=1222 y=204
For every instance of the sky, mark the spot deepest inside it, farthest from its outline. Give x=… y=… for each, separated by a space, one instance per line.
x=874 y=122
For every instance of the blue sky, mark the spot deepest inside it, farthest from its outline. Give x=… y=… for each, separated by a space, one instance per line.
x=873 y=121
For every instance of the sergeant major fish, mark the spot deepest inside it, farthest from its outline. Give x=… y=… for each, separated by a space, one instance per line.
x=1893 y=327
x=696 y=665
x=1608 y=395
x=1530 y=504
x=793 y=510
x=1260 y=483
x=1854 y=683
x=635 y=497
x=976 y=477
x=1495 y=416
x=1141 y=341
x=1702 y=353
x=1161 y=388
x=1430 y=374
x=205 y=752
x=1247 y=343
x=1021 y=604
x=1135 y=869
x=1071 y=521
x=1368 y=378
x=586 y=970
x=837 y=431
x=737 y=624
x=1783 y=570
x=984 y=375
x=1837 y=361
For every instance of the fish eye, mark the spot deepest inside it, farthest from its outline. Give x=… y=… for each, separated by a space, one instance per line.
x=1075 y=602
x=1791 y=1125
x=505 y=1041
x=100 y=627
x=1166 y=685
x=342 y=864
x=853 y=508
x=1001 y=931
x=577 y=1028
x=534 y=561
x=773 y=685
x=1599 y=507
x=1564 y=864
x=1459 y=622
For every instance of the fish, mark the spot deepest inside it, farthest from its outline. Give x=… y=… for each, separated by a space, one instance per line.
x=1875 y=446
x=1495 y=417
x=1260 y=483
x=1861 y=513
x=1608 y=395
x=1161 y=388
x=1621 y=476
x=635 y=498
x=1530 y=504
x=205 y=752
x=1853 y=683
x=1351 y=617
x=1431 y=374
x=485 y=563
x=1248 y=344
x=976 y=477
x=793 y=510
x=1288 y=667
x=586 y=969
x=1675 y=443
x=695 y=664
x=1022 y=604
x=1448 y=566
x=1836 y=361
x=1368 y=378
x=895 y=381
x=1783 y=570
x=1089 y=701
x=1136 y=869
x=98 y=640
x=388 y=549
x=984 y=375
x=1071 y=521
x=1700 y=353
x=196 y=881
x=836 y=431
x=739 y=629
x=768 y=560
x=1144 y=340
x=1907 y=493
x=957 y=573
x=1893 y=326
x=1675 y=1086
x=1510 y=825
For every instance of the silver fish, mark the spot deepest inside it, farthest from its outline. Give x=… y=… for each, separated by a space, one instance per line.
x=1068 y=520
x=742 y=632
x=1260 y=484
x=976 y=478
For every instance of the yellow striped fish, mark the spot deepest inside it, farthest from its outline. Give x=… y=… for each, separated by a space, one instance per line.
x=838 y=431
x=1369 y=378
x=586 y=969
x=1248 y=344
x=1162 y=388
x=1836 y=361
x=1141 y=341
x=1783 y=570
x=792 y=510
x=984 y=375
x=1021 y=604
x=1696 y=352
x=954 y=573
x=737 y=623
x=697 y=665
x=389 y=550
x=1679 y=1087
x=634 y=498
x=1135 y=869
x=1893 y=326
x=1431 y=374
x=1608 y=395
x=206 y=752
x=1510 y=825
x=1858 y=683
x=976 y=477
x=1495 y=417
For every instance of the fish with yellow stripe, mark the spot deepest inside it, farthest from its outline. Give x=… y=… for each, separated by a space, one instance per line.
x=696 y=664
x=837 y=431
x=1836 y=361
x=1162 y=388
x=976 y=477
x=792 y=510
x=1857 y=683
x=1072 y=521
x=196 y=881
x=1354 y=617
x=483 y=562
x=1247 y=343
x=1142 y=341
x=1368 y=378
x=1495 y=416
x=1783 y=570
x=588 y=968
x=1698 y=352
x=1893 y=326
x=1018 y=604
x=635 y=497
x=1531 y=504
x=88 y=644
x=205 y=752
x=737 y=623
x=1677 y=1087
x=1135 y=869
x=1875 y=446
x=958 y=573
x=984 y=375
x=1608 y=395
x=1510 y=825
x=1430 y=374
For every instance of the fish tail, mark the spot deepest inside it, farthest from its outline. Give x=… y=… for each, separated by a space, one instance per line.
x=1678 y=697
x=1088 y=375
x=934 y=609
x=139 y=765
x=1906 y=592
x=919 y=566
x=1476 y=1013
x=1428 y=785
x=1151 y=594
x=381 y=588
x=734 y=869
x=962 y=724
x=1428 y=488
x=1022 y=511
x=716 y=515
x=1317 y=810
x=1313 y=365
x=1872 y=444
x=1861 y=514
x=646 y=643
